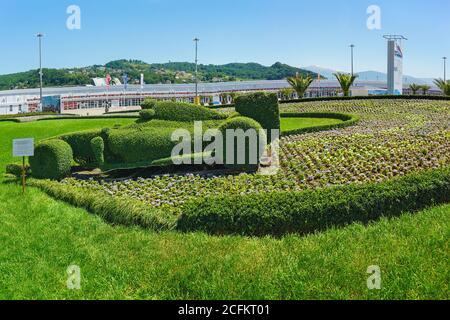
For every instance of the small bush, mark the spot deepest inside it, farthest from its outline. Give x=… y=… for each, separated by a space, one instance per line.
x=245 y=124
x=80 y=142
x=147 y=114
x=180 y=111
x=16 y=169
x=98 y=149
x=52 y=160
x=280 y=213
x=148 y=103
x=262 y=107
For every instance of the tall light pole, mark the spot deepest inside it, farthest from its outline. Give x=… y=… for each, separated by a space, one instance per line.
x=352 y=46
x=40 y=36
x=196 y=40
x=445 y=68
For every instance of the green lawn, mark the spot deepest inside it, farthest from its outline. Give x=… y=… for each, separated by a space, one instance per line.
x=288 y=124
x=40 y=237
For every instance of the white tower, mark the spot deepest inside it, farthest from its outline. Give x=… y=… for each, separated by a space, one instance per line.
x=395 y=64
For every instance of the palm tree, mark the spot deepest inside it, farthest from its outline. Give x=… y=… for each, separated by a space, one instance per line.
x=346 y=81
x=443 y=85
x=300 y=84
x=414 y=88
x=425 y=88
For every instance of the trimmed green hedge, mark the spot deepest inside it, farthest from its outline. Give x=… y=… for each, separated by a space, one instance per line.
x=16 y=169
x=80 y=142
x=98 y=149
x=280 y=213
x=52 y=160
x=148 y=103
x=180 y=111
x=378 y=97
x=262 y=107
x=116 y=210
x=244 y=124
x=348 y=119
x=147 y=114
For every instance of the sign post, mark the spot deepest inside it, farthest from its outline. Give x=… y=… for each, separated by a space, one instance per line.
x=23 y=148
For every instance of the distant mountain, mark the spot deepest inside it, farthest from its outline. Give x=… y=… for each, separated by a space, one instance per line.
x=369 y=75
x=172 y=72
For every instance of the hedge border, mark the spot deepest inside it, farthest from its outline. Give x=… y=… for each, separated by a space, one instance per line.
x=280 y=213
x=380 y=97
x=115 y=210
x=349 y=120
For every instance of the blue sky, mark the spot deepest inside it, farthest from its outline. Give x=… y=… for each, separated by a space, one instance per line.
x=296 y=32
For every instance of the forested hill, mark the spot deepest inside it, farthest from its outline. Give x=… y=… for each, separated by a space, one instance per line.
x=172 y=72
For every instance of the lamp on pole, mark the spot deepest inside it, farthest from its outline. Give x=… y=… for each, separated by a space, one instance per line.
x=445 y=68
x=196 y=40
x=40 y=36
x=352 y=46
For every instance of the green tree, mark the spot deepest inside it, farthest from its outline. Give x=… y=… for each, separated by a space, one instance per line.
x=345 y=81
x=425 y=88
x=414 y=88
x=300 y=84
x=443 y=85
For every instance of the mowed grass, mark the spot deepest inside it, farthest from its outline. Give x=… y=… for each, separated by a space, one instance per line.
x=40 y=237
x=288 y=124
x=45 y=129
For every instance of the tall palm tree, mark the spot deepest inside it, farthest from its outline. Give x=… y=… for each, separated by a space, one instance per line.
x=425 y=88
x=443 y=85
x=414 y=88
x=300 y=84
x=346 y=81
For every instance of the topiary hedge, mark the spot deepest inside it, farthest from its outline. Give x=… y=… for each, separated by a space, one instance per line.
x=262 y=107
x=248 y=155
x=52 y=160
x=148 y=103
x=180 y=111
x=80 y=142
x=147 y=114
x=348 y=120
x=280 y=213
x=377 y=97
x=98 y=149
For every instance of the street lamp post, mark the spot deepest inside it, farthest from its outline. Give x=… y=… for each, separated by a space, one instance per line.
x=40 y=36
x=196 y=40
x=352 y=46
x=445 y=68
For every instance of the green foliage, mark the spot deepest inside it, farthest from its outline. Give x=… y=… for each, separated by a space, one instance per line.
x=300 y=84
x=80 y=142
x=280 y=213
x=148 y=103
x=262 y=107
x=378 y=97
x=248 y=125
x=118 y=210
x=52 y=160
x=180 y=111
x=345 y=81
x=98 y=149
x=414 y=88
x=443 y=85
x=147 y=114
x=425 y=88
x=16 y=169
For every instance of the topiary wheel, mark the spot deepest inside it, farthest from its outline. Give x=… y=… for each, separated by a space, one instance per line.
x=52 y=160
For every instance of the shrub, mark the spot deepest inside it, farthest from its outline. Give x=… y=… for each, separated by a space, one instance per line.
x=257 y=145
x=280 y=213
x=180 y=111
x=147 y=114
x=134 y=146
x=148 y=103
x=262 y=107
x=52 y=160
x=16 y=169
x=98 y=149
x=380 y=97
x=80 y=142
